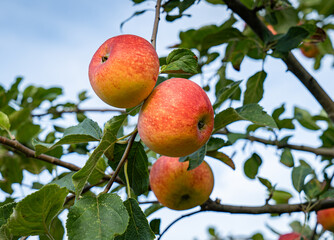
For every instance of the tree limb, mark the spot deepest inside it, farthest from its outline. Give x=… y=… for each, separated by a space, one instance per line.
x=292 y=63
x=215 y=206
x=329 y=152
x=77 y=110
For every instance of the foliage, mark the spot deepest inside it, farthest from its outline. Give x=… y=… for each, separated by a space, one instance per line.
x=26 y=144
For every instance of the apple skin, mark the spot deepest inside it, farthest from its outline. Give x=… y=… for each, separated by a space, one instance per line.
x=309 y=50
x=326 y=218
x=177 y=188
x=176 y=119
x=290 y=236
x=124 y=70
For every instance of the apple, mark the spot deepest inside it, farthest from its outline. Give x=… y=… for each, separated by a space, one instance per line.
x=290 y=236
x=271 y=29
x=176 y=119
x=177 y=188
x=326 y=218
x=124 y=70
x=309 y=50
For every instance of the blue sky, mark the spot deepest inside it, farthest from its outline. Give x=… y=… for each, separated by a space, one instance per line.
x=51 y=43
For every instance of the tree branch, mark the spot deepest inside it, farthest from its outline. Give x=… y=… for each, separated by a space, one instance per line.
x=77 y=110
x=215 y=206
x=31 y=153
x=17 y=146
x=292 y=63
x=156 y=23
x=329 y=152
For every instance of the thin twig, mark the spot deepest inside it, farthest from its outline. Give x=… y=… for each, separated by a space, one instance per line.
x=156 y=23
x=329 y=152
x=292 y=63
x=77 y=110
x=176 y=220
x=121 y=162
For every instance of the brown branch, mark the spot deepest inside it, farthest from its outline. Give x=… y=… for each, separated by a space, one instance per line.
x=31 y=153
x=17 y=146
x=329 y=152
x=77 y=110
x=292 y=63
x=121 y=162
x=156 y=23
x=215 y=206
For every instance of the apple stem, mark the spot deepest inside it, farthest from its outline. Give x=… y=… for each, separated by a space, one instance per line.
x=127 y=179
x=121 y=162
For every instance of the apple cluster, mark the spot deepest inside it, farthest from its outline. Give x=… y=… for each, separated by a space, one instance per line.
x=175 y=120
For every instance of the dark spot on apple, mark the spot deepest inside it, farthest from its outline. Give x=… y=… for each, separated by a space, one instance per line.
x=105 y=58
x=200 y=124
x=185 y=197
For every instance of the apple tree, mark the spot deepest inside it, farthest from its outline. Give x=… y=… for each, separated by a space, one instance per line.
x=110 y=197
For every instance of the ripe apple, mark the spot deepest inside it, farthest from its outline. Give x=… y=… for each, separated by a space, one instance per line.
x=290 y=236
x=176 y=119
x=177 y=188
x=124 y=70
x=309 y=50
x=271 y=29
x=326 y=218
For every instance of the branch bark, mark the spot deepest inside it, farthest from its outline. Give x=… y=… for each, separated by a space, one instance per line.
x=292 y=63
x=329 y=152
x=215 y=206
x=79 y=111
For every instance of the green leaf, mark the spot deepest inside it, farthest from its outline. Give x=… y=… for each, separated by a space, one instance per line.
x=137 y=166
x=225 y=93
x=251 y=112
x=313 y=188
x=305 y=119
x=251 y=166
x=195 y=159
x=181 y=61
x=85 y=131
x=298 y=176
x=287 y=158
x=4 y=122
x=65 y=181
x=222 y=157
x=265 y=182
x=284 y=123
x=153 y=208
x=107 y=142
x=102 y=217
x=291 y=39
x=215 y=144
x=257 y=236
x=281 y=197
x=138 y=227
x=98 y=172
x=254 y=90
x=33 y=214
x=155 y=225
x=5 y=212
x=56 y=231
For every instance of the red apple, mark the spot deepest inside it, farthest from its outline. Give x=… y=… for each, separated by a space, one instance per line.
x=309 y=50
x=290 y=236
x=326 y=218
x=177 y=188
x=124 y=70
x=176 y=119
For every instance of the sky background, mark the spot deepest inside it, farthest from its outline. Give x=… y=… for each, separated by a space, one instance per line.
x=50 y=43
